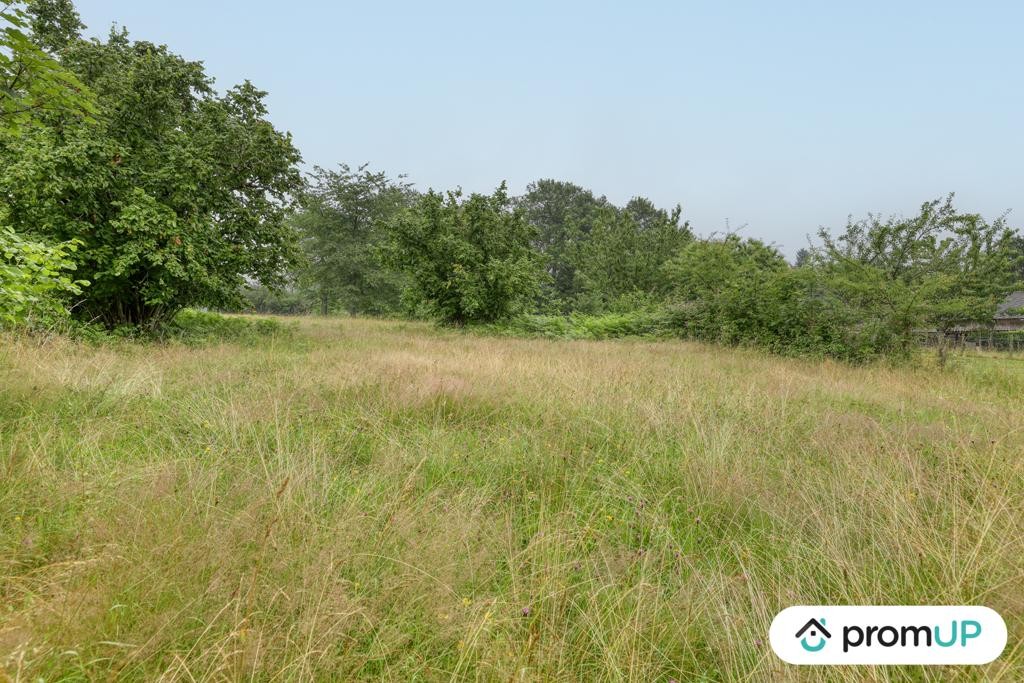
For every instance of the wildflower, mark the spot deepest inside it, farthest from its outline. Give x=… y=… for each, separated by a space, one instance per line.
x=526 y=611
x=466 y=602
x=609 y=518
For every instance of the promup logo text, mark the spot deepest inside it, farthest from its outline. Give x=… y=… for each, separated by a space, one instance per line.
x=888 y=635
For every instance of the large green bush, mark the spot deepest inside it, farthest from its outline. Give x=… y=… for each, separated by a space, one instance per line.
x=33 y=275
x=736 y=291
x=178 y=194
x=468 y=261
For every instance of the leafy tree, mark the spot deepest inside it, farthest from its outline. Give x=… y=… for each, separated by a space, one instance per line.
x=860 y=295
x=563 y=214
x=719 y=281
x=935 y=270
x=705 y=269
x=55 y=24
x=596 y=254
x=1017 y=246
x=803 y=257
x=661 y=235
x=179 y=196
x=284 y=301
x=622 y=258
x=33 y=274
x=649 y=217
x=341 y=228
x=32 y=82
x=468 y=260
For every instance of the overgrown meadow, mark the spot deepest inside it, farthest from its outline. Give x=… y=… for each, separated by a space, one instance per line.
x=347 y=499
x=587 y=467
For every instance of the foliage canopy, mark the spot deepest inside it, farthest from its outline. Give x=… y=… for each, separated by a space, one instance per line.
x=935 y=270
x=341 y=227
x=32 y=82
x=468 y=260
x=178 y=195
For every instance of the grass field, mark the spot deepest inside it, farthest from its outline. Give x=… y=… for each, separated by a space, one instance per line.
x=383 y=500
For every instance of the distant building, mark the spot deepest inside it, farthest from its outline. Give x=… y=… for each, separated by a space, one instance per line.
x=1004 y=333
x=1010 y=314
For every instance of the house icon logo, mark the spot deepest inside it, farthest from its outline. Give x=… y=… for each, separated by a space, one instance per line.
x=817 y=631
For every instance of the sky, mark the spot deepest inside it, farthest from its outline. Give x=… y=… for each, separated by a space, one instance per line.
x=773 y=118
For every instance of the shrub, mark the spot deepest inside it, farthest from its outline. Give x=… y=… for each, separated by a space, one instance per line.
x=33 y=275
x=467 y=261
x=641 y=323
x=742 y=292
x=200 y=327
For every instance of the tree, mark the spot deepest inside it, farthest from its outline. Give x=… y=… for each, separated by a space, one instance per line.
x=32 y=82
x=621 y=261
x=179 y=196
x=33 y=85
x=284 y=301
x=705 y=269
x=55 y=24
x=1017 y=245
x=563 y=214
x=661 y=235
x=467 y=260
x=935 y=270
x=341 y=230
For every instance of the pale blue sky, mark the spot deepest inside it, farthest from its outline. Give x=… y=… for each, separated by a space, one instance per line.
x=780 y=115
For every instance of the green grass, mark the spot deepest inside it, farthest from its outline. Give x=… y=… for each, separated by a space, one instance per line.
x=644 y=323
x=364 y=500
x=202 y=327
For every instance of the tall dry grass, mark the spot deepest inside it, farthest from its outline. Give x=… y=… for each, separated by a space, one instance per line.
x=380 y=500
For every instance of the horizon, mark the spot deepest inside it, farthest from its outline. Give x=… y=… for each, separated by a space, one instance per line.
x=772 y=120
